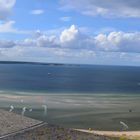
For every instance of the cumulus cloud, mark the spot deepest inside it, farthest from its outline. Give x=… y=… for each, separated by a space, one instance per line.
x=119 y=8
x=69 y=38
x=71 y=43
x=5 y=8
x=69 y=34
x=73 y=38
x=40 y=39
x=119 y=41
x=37 y=12
x=111 y=42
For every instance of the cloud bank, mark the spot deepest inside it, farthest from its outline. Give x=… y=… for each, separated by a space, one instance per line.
x=106 y=8
x=72 y=45
x=73 y=38
x=5 y=8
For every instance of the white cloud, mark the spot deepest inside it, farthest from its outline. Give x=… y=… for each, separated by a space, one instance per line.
x=73 y=38
x=72 y=44
x=119 y=8
x=5 y=8
x=69 y=34
x=119 y=41
x=7 y=27
x=45 y=41
x=37 y=12
x=40 y=39
x=65 y=19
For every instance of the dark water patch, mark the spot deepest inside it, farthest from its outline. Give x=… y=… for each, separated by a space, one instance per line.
x=68 y=79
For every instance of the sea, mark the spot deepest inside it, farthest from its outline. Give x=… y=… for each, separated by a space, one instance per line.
x=74 y=96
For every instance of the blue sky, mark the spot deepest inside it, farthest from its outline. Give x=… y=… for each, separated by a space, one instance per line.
x=77 y=31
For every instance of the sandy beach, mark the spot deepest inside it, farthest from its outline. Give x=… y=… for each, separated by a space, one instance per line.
x=135 y=135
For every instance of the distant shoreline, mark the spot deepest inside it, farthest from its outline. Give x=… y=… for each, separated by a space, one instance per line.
x=61 y=64
x=39 y=63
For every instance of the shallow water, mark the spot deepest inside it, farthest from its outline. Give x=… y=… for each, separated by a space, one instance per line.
x=103 y=112
x=78 y=96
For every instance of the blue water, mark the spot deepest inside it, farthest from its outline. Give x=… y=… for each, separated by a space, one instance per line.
x=104 y=95
x=69 y=79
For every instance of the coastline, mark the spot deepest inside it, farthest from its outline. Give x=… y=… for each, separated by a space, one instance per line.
x=134 y=135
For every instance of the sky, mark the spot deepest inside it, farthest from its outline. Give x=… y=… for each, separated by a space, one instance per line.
x=103 y=32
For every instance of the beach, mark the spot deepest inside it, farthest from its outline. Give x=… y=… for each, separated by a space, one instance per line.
x=132 y=135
